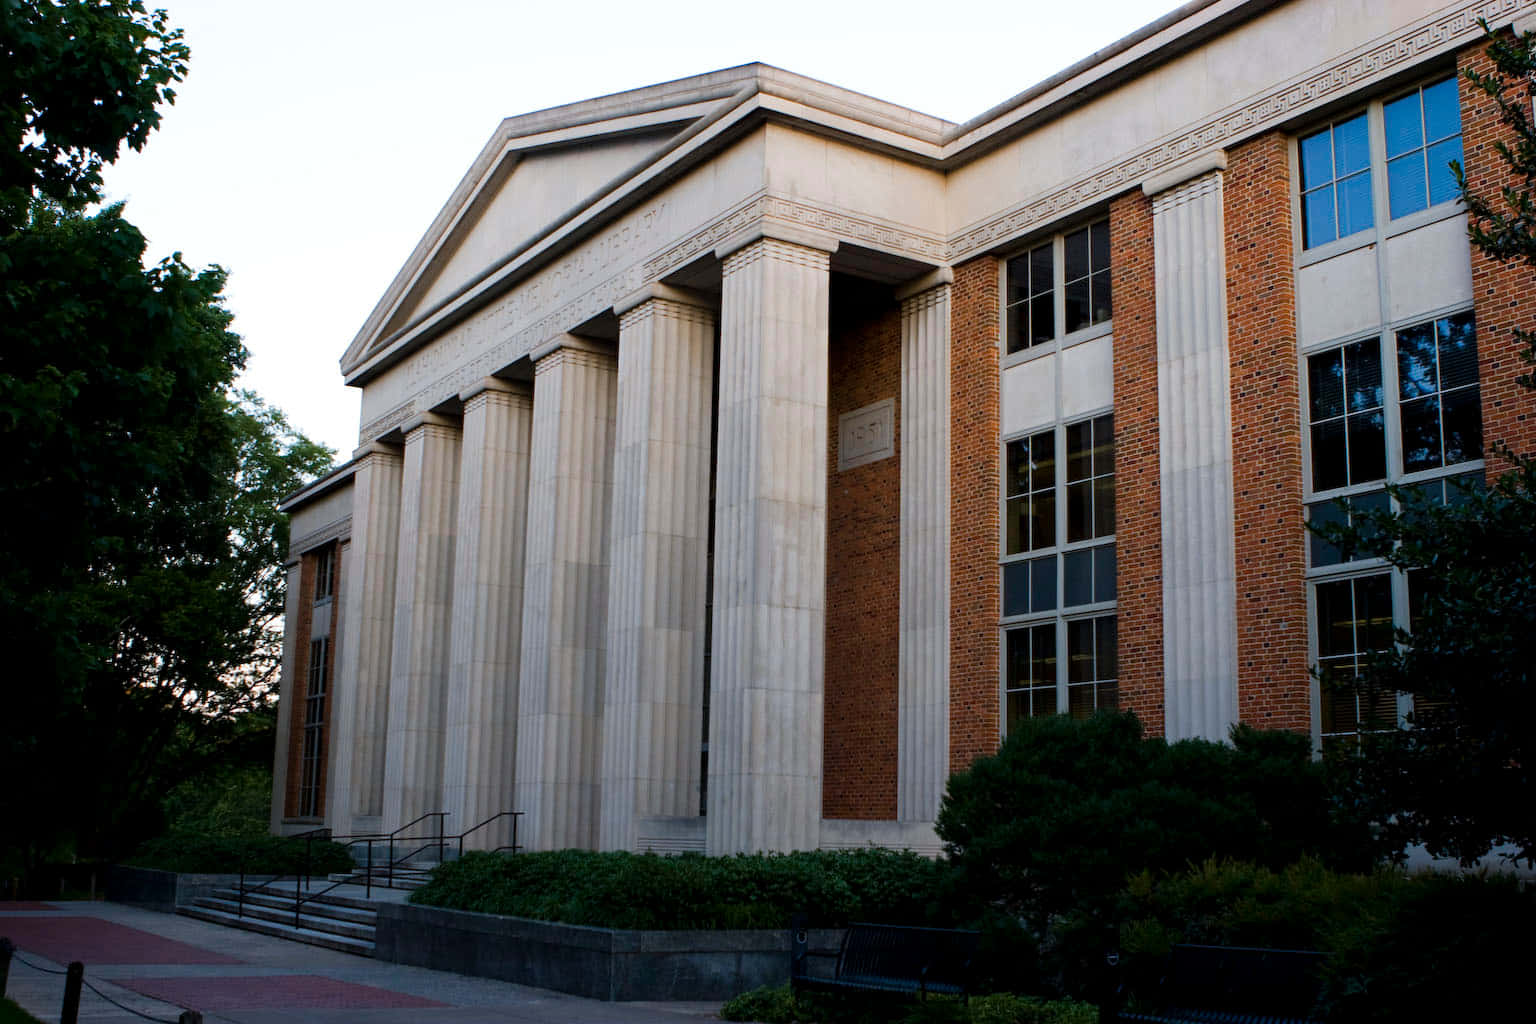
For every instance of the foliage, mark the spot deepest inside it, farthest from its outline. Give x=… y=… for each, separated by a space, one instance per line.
x=229 y=801
x=78 y=79
x=139 y=589
x=644 y=891
x=259 y=854
x=1458 y=779
x=780 y=1005
x=1404 y=947
x=1066 y=810
x=10 y=1013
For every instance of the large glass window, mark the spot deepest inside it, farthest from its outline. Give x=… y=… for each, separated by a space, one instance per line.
x=1058 y=573
x=312 y=768
x=325 y=573
x=1058 y=288
x=1336 y=181
x=1423 y=131
x=1401 y=408
x=1408 y=142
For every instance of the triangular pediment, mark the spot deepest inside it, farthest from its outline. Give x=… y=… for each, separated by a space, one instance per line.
x=536 y=172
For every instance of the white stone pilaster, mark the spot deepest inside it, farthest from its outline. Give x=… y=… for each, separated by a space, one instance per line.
x=364 y=640
x=657 y=578
x=418 y=682
x=480 y=755
x=565 y=596
x=922 y=740
x=1195 y=441
x=768 y=663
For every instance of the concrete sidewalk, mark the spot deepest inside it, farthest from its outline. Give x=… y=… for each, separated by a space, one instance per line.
x=159 y=964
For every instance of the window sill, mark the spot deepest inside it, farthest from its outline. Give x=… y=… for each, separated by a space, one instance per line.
x=1372 y=236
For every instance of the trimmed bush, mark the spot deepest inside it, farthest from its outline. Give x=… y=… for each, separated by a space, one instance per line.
x=779 y=1005
x=645 y=891
x=1403 y=947
x=261 y=855
x=1066 y=810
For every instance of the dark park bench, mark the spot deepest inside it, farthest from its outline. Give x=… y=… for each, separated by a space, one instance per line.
x=889 y=958
x=1235 y=985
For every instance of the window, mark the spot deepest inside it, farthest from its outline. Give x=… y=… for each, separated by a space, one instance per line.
x=325 y=573
x=1423 y=132
x=1336 y=181
x=1407 y=142
x=1058 y=572
x=311 y=782
x=1063 y=283
x=1400 y=408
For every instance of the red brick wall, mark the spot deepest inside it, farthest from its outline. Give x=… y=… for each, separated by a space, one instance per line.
x=974 y=477
x=300 y=687
x=1504 y=294
x=1138 y=522
x=863 y=564
x=1273 y=687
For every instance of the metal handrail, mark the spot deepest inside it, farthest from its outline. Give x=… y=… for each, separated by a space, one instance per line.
x=308 y=838
x=514 y=815
x=303 y=896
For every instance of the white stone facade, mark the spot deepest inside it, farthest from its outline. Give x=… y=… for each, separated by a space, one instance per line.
x=586 y=541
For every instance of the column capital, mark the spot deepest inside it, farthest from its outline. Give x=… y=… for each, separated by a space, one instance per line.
x=572 y=342
x=375 y=448
x=791 y=234
x=494 y=385
x=664 y=292
x=936 y=278
x=1184 y=173
x=427 y=419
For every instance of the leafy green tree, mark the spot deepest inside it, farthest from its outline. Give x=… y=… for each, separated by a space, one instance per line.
x=78 y=80
x=140 y=542
x=1461 y=778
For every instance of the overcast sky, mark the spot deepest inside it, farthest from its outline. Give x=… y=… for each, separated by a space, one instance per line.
x=313 y=142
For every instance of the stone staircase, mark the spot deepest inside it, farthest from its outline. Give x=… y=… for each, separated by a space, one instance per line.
x=334 y=920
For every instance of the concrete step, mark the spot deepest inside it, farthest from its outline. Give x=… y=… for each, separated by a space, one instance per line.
x=402 y=879
x=343 y=943
x=318 y=907
x=335 y=899
x=312 y=922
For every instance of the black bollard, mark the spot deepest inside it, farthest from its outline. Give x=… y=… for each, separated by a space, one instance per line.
x=70 y=1014
x=7 y=947
x=189 y=1017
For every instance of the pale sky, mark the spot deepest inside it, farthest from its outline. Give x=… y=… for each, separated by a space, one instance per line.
x=313 y=142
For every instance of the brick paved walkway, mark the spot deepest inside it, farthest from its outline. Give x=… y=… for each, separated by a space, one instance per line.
x=159 y=964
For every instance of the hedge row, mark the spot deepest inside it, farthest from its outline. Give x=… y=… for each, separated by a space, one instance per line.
x=262 y=855
x=627 y=890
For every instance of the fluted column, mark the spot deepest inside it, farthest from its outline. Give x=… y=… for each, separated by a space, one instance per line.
x=480 y=756
x=565 y=597
x=768 y=661
x=287 y=693
x=922 y=732
x=654 y=692
x=365 y=638
x=1195 y=441
x=418 y=682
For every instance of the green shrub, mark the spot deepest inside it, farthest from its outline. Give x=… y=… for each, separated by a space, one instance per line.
x=1066 y=810
x=765 y=1005
x=779 y=1005
x=644 y=891
x=1403 y=947
x=259 y=855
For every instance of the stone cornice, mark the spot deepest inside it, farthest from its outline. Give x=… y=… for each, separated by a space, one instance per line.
x=333 y=531
x=1442 y=32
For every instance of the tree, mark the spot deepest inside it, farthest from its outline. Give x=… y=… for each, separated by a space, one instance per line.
x=79 y=79
x=1459 y=778
x=139 y=536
